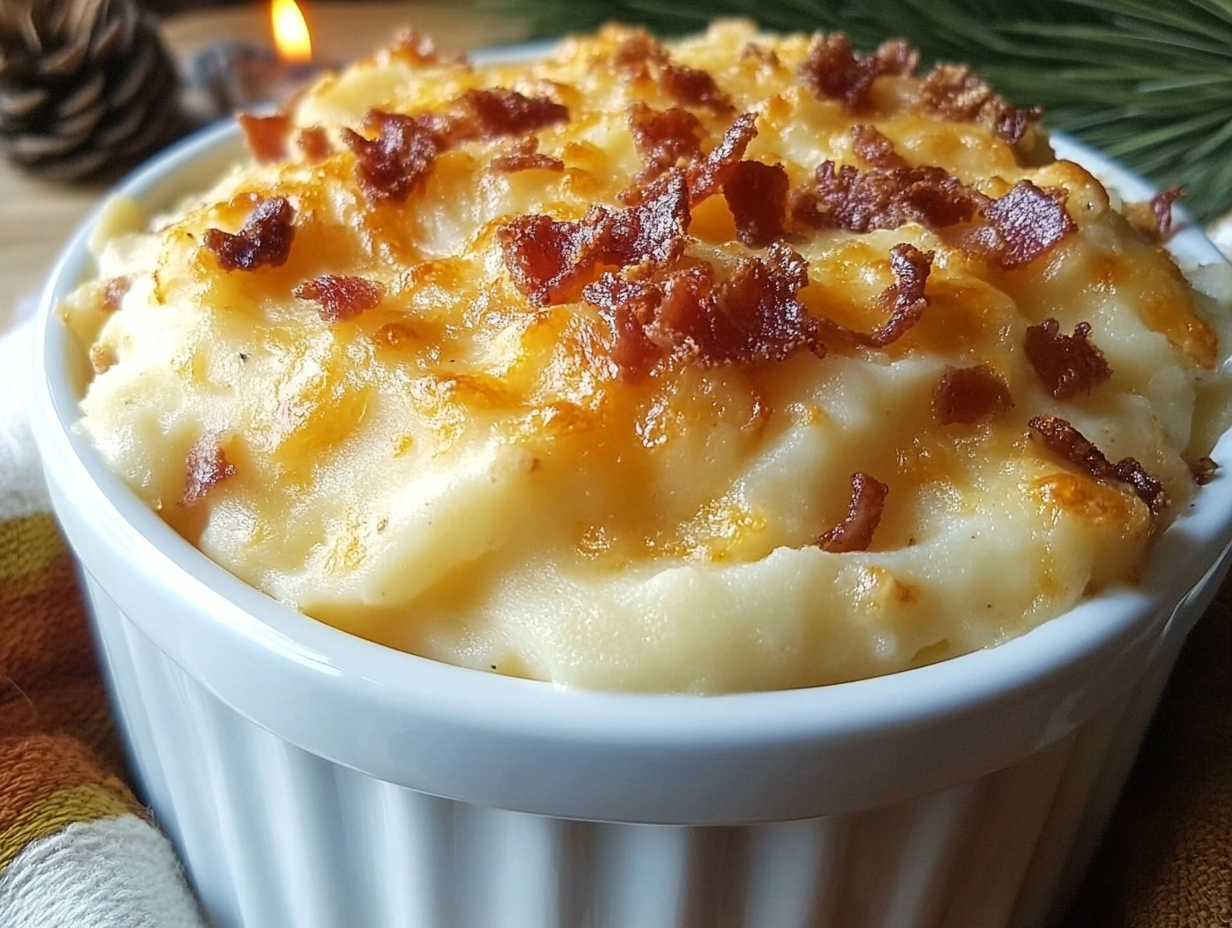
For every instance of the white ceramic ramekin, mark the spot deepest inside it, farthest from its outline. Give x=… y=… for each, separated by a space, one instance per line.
x=311 y=779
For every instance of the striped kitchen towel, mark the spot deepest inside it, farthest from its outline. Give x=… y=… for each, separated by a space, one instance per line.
x=77 y=850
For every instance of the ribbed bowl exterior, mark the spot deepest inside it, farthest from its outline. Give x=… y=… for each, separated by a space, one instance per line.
x=276 y=837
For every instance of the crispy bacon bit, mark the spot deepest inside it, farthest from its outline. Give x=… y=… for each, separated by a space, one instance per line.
x=548 y=259
x=526 y=157
x=706 y=176
x=764 y=292
x=632 y=308
x=207 y=467
x=875 y=149
x=694 y=87
x=664 y=139
x=266 y=136
x=393 y=164
x=652 y=231
x=1012 y=123
x=499 y=111
x=1161 y=206
x=1028 y=222
x=905 y=300
x=1203 y=470
x=1065 y=364
x=953 y=92
x=1148 y=488
x=966 y=395
x=640 y=55
x=881 y=198
x=906 y=295
x=855 y=531
x=315 y=145
x=1065 y=441
x=634 y=55
x=833 y=71
x=755 y=315
x=624 y=306
x=265 y=238
x=113 y=293
x=1018 y=227
x=756 y=194
x=340 y=297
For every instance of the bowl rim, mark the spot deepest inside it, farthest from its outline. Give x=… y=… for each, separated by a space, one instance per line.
x=362 y=673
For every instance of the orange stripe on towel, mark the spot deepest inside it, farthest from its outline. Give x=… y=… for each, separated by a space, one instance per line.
x=75 y=706
x=43 y=630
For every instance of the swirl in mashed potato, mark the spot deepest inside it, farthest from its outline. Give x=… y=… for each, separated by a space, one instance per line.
x=739 y=363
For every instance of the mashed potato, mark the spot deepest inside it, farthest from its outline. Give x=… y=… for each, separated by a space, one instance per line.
x=739 y=363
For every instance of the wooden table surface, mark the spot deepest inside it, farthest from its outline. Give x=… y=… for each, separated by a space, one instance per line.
x=37 y=217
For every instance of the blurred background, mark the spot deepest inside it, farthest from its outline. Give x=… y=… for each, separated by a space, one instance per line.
x=173 y=6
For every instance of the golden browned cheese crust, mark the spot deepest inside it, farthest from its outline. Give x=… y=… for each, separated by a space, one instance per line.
x=744 y=362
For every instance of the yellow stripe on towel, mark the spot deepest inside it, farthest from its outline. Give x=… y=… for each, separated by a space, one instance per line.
x=27 y=546
x=48 y=782
x=87 y=802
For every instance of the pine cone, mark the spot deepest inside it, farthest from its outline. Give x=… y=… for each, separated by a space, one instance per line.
x=86 y=87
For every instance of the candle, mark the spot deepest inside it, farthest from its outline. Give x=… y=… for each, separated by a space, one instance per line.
x=235 y=75
x=224 y=74
x=291 y=36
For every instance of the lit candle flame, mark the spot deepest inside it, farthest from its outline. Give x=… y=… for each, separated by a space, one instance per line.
x=290 y=32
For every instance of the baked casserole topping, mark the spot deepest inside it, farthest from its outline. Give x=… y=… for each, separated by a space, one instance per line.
x=743 y=362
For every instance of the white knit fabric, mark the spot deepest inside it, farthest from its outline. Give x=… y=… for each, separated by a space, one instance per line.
x=21 y=481
x=113 y=873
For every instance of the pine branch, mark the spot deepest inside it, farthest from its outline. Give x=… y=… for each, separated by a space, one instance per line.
x=1148 y=81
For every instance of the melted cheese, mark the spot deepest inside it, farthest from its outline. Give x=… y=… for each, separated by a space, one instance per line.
x=460 y=474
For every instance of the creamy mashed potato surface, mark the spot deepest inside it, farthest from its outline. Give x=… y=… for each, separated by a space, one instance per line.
x=732 y=364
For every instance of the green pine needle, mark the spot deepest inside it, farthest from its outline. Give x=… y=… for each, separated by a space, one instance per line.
x=1147 y=81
